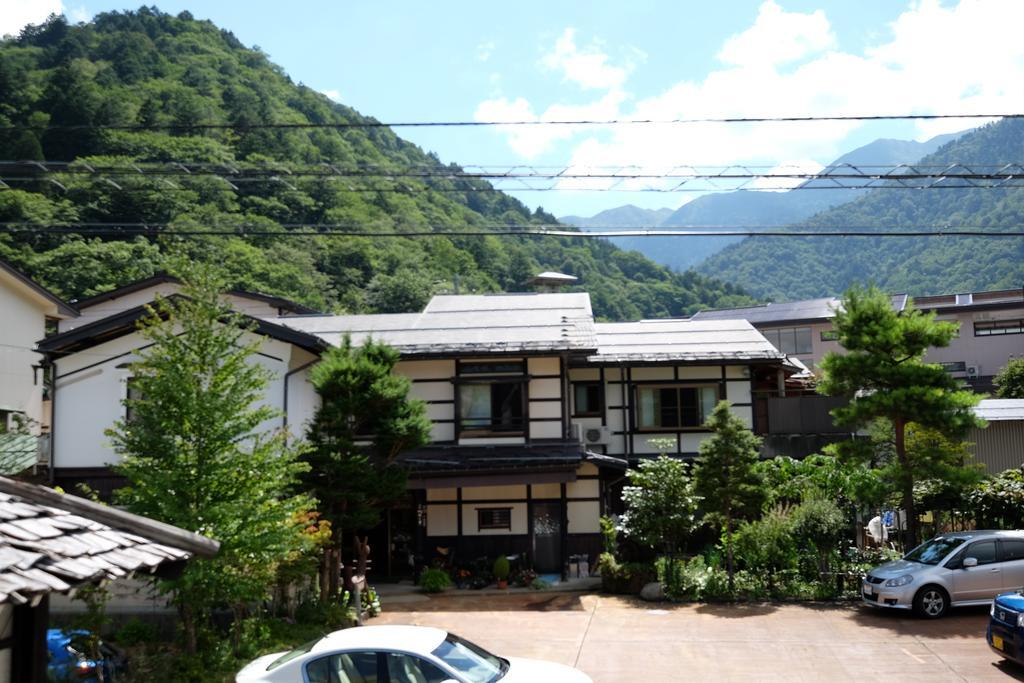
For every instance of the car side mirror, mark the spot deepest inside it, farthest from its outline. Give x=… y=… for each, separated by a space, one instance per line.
x=970 y=562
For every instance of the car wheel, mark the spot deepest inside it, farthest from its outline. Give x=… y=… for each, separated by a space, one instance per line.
x=931 y=602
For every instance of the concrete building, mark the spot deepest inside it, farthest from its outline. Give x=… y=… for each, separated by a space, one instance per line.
x=991 y=329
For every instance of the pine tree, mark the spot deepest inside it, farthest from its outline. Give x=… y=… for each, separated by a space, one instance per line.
x=364 y=422
x=726 y=477
x=884 y=375
x=194 y=454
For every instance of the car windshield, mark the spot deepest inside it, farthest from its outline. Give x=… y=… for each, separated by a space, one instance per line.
x=933 y=551
x=289 y=656
x=472 y=661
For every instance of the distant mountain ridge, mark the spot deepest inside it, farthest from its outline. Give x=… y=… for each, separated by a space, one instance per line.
x=751 y=209
x=620 y=217
x=803 y=268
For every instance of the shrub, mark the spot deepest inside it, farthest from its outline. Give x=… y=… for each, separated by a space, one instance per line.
x=692 y=579
x=501 y=568
x=434 y=580
x=766 y=546
x=135 y=631
x=609 y=535
x=626 y=578
x=539 y=584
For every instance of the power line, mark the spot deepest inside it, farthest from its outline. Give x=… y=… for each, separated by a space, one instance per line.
x=370 y=123
x=303 y=230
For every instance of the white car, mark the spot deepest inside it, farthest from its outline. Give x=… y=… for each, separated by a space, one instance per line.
x=400 y=654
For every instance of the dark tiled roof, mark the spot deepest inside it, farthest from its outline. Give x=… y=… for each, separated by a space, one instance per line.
x=494 y=458
x=52 y=542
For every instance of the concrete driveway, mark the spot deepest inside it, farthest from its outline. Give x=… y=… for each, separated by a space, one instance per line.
x=615 y=639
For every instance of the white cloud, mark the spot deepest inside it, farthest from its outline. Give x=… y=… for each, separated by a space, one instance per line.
x=778 y=37
x=933 y=58
x=484 y=50
x=16 y=14
x=589 y=67
x=332 y=94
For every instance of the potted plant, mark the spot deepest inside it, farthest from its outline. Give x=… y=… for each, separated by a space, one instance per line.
x=501 y=569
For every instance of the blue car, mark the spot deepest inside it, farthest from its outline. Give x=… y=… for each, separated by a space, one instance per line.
x=1006 y=626
x=68 y=661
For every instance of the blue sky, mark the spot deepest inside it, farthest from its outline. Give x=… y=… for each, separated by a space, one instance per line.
x=643 y=58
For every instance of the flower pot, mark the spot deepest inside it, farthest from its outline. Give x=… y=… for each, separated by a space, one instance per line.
x=502 y=584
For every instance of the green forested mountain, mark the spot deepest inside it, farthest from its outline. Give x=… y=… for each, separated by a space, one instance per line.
x=800 y=268
x=168 y=73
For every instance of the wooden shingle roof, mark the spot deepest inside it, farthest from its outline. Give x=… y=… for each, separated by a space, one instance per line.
x=53 y=542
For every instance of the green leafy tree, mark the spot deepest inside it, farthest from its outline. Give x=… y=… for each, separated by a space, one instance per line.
x=661 y=505
x=768 y=545
x=884 y=376
x=727 y=478
x=365 y=421
x=196 y=452
x=1010 y=380
x=999 y=500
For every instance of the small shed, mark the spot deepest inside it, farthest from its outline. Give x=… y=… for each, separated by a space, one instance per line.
x=52 y=542
x=1000 y=445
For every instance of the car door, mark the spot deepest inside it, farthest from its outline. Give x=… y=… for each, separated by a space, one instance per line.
x=981 y=582
x=1012 y=553
x=406 y=668
x=345 y=667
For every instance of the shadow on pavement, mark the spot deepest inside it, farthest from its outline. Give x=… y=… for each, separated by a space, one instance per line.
x=1009 y=668
x=959 y=623
x=540 y=602
x=736 y=610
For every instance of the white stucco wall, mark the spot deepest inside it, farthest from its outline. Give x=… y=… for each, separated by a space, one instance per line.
x=90 y=387
x=22 y=324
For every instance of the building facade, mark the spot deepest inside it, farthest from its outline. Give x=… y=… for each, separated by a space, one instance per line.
x=536 y=409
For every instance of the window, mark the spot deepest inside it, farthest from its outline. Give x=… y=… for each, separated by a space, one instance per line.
x=492 y=407
x=790 y=340
x=402 y=667
x=476 y=664
x=674 y=407
x=587 y=399
x=983 y=551
x=492 y=397
x=991 y=328
x=132 y=393
x=829 y=335
x=1012 y=550
x=954 y=366
x=352 y=667
x=494 y=518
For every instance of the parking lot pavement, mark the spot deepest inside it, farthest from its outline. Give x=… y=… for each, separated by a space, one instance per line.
x=615 y=639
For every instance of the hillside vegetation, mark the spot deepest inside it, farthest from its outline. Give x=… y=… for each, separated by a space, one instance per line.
x=816 y=266
x=169 y=73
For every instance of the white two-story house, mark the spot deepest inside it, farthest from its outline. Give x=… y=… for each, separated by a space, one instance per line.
x=537 y=410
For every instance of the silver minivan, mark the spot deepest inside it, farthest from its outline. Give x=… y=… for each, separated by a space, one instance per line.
x=964 y=568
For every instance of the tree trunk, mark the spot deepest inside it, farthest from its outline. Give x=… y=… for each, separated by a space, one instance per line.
x=237 y=613
x=188 y=623
x=728 y=553
x=900 y=429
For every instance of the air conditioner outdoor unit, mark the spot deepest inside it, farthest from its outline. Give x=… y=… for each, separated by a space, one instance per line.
x=596 y=436
x=972 y=370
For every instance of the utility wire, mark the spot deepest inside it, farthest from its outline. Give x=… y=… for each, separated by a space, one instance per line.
x=293 y=230
x=370 y=123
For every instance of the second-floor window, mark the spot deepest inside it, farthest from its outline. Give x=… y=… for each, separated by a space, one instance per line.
x=998 y=327
x=791 y=340
x=674 y=407
x=492 y=399
x=586 y=397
